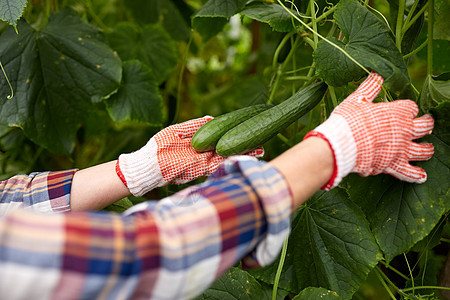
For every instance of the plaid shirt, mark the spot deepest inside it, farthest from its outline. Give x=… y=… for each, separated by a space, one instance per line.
x=46 y=192
x=170 y=249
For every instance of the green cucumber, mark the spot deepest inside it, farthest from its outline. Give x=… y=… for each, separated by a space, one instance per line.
x=265 y=125
x=205 y=139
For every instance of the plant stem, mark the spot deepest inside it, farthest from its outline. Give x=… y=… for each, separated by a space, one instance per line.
x=399 y=24
x=180 y=79
x=298 y=77
x=294 y=65
x=395 y=270
x=410 y=272
x=280 y=70
x=9 y=97
x=386 y=279
x=284 y=139
x=408 y=24
x=426 y=287
x=388 y=290
x=445 y=240
x=95 y=17
x=279 y=269
x=333 y=96
x=324 y=15
x=280 y=47
x=411 y=11
x=48 y=8
x=430 y=37
x=312 y=7
x=416 y=50
x=297 y=70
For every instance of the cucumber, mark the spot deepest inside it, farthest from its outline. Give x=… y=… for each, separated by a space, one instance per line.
x=205 y=139
x=265 y=125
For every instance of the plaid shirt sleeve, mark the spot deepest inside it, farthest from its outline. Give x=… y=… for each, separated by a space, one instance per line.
x=170 y=249
x=45 y=192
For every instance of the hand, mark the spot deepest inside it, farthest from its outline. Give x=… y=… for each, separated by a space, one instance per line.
x=169 y=158
x=373 y=138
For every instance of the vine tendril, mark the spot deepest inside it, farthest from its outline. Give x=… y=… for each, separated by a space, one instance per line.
x=9 y=97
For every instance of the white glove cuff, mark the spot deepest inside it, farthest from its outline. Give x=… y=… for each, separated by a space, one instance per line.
x=141 y=169
x=339 y=135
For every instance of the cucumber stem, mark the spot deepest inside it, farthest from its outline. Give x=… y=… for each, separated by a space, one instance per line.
x=427 y=287
x=312 y=5
x=425 y=43
x=409 y=23
x=399 y=24
x=388 y=266
x=180 y=79
x=430 y=37
x=383 y=282
x=279 y=269
x=324 y=15
x=333 y=96
x=411 y=11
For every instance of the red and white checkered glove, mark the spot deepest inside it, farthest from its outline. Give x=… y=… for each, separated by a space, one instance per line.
x=373 y=138
x=168 y=158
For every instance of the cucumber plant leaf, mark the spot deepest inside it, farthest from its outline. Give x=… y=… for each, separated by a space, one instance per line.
x=234 y=284
x=442 y=23
x=57 y=73
x=12 y=10
x=138 y=97
x=369 y=41
x=401 y=213
x=273 y=14
x=150 y=44
x=314 y=293
x=330 y=246
x=211 y=17
x=165 y=12
x=436 y=90
x=119 y=206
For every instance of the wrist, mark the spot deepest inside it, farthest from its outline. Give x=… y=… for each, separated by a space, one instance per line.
x=139 y=170
x=306 y=167
x=338 y=135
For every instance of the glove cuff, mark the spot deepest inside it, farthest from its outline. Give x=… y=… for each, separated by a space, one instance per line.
x=140 y=169
x=338 y=135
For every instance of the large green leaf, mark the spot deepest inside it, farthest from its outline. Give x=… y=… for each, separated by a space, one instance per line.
x=273 y=14
x=436 y=90
x=234 y=284
x=330 y=246
x=11 y=10
x=138 y=97
x=400 y=213
x=442 y=24
x=56 y=72
x=119 y=206
x=211 y=17
x=162 y=11
x=369 y=41
x=150 y=44
x=314 y=293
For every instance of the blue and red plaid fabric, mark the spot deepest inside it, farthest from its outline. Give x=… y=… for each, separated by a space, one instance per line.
x=168 y=249
x=46 y=192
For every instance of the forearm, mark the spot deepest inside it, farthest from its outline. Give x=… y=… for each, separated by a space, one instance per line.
x=96 y=187
x=306 y=167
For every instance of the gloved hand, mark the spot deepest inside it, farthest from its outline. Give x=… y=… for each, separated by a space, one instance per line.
x=169 y=158
x=373 y=138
